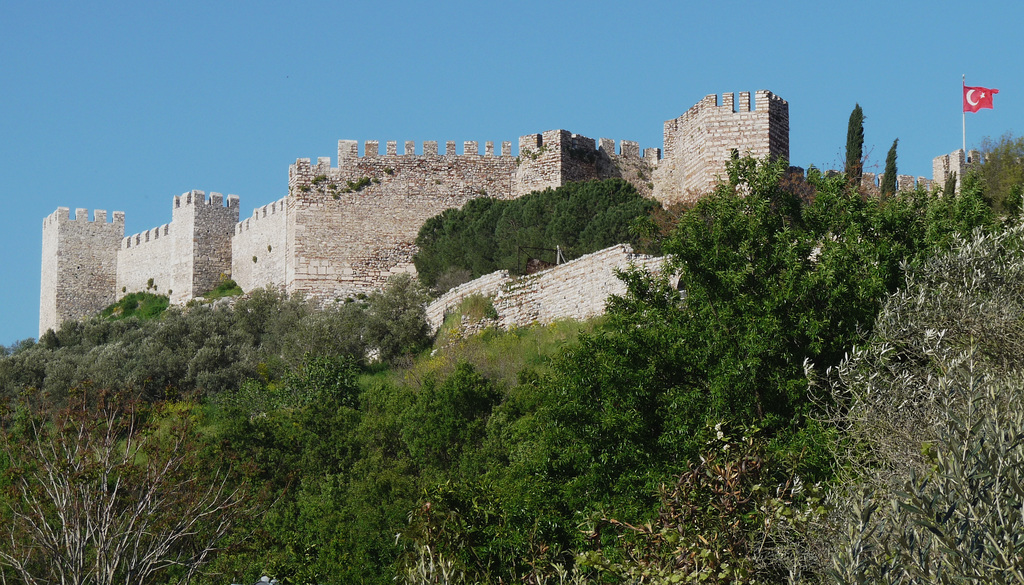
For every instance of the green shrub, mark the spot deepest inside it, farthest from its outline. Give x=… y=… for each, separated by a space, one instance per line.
x=931 y=410
x=143 y=305
x=226 y=288
x=491 y=234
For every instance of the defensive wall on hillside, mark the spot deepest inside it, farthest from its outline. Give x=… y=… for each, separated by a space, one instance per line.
x=88 y=265
x=577 y=289
x=352 y=226
x=343 y=230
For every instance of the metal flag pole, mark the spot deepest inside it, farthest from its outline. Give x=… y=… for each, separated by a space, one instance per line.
x=963 y=114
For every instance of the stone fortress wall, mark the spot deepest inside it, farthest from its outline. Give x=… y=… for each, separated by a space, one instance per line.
x=576 y=289
x=358 y=221
x=184 y=258
x=343 y=230
x=258 y=247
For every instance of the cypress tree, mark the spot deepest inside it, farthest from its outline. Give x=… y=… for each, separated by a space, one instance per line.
x=889 y=178
x=855 y=145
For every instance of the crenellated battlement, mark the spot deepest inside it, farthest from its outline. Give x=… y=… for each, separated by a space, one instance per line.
x=198 y=198
x=268 y=210
x=871 y=183
x=63 y=214
x=344 y=228
x=699 y=143
x=154 y=234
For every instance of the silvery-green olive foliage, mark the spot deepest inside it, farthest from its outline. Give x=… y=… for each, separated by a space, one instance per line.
x=931 y=408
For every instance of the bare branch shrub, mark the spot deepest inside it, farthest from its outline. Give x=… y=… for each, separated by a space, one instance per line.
x=104 y=493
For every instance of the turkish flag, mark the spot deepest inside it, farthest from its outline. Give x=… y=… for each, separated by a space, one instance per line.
x=976 y=98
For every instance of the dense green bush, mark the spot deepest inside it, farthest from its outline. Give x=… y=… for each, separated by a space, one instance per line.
x=491 y=234
x=207 y=350
x=143 y=305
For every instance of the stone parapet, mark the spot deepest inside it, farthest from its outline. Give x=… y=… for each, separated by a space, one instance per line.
x=577 y=289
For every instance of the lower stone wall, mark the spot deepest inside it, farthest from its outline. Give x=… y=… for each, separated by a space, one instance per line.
x=487 y=285
x=575 y=290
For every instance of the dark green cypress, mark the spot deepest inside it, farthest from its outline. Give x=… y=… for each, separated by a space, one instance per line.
x=889 y=178
x=855 y=145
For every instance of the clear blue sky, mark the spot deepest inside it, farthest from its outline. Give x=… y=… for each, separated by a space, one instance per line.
x=120 y=106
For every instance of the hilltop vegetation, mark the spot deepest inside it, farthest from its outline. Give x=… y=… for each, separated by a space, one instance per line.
x=715 y=436
x=490 y=234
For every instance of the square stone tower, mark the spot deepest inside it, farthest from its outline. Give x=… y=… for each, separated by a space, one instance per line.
x=700 y=142
x=79 y=268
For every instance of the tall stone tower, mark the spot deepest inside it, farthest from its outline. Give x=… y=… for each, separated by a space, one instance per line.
x=203 y=247
x=79 y=268
x=700 y=142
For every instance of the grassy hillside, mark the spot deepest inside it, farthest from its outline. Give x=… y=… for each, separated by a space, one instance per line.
x=684 y=437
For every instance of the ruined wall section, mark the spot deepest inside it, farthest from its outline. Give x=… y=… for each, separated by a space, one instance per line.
x=79 y=265
x=487 y=285
x=553 y=158
x=576 y=290
x=351 y=227
x=700 y=142
x=258 y=248
x=954 y=162
x=871 y=184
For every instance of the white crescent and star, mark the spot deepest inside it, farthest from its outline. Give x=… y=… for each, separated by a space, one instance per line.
x=969 y=100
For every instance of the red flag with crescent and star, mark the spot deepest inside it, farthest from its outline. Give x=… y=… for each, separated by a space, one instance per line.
x=976 y=98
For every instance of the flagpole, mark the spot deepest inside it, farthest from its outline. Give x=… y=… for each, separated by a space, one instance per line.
x=963 y=114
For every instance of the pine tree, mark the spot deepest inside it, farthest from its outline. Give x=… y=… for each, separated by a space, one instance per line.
x=855 y=145
x=889 y=178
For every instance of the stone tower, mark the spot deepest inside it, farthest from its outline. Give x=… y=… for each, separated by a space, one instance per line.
x=185 y=258
x=700 y=142
x=79 y=268
x=954 y=162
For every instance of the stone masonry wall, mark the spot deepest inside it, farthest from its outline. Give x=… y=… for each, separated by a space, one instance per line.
x=700 y=142
x=186 y=257
x=577 y=289
x=79 y=265
x=954 y=162
x=258 y=247
x=352 y=226
x=556 y=157
x=147 y=255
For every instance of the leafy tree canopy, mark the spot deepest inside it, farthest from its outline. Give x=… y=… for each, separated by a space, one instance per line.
x=491 y=234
